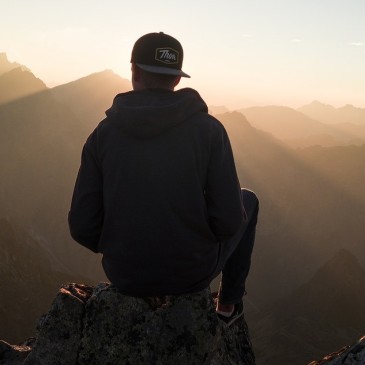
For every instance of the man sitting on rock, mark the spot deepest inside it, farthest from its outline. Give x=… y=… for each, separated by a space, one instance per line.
x=157 y=192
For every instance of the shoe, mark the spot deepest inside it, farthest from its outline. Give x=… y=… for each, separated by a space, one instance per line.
x=237 y=313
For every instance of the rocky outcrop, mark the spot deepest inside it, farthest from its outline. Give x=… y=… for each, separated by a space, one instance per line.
x=98 y=325
x=13 y=354
x=348 y=355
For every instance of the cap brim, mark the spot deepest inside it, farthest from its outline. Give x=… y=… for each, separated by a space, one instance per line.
x=162 y=70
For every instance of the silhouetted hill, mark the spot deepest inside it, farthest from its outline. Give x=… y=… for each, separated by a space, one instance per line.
x=297 y=129
x=41 y=137
x=217 y=109
x=323 y=314
x=312 y=201
x=18 y=83
x=351 y=129
x=331 y=115
x=40 y=146
x=283 y=122
x=6 y=66
x=90 y=96
x=28 y=283
x=341 y=165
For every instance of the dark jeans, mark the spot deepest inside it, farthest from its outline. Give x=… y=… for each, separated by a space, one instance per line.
x=235 y=260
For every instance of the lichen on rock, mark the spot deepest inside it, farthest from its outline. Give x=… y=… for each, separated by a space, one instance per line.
x=99 y=325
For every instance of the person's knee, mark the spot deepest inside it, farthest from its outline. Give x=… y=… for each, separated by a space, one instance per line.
x=250 y=202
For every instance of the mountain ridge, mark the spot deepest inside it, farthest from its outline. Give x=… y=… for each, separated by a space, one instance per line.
x=331 y=115
x=6 y=65
x=300 y=130
x=88 y=97
x=310 y=315
x=302 y=193
x=29 y=281
x=310 y=203
x=18 y=83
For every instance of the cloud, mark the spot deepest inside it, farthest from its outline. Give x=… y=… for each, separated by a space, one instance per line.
x=357 y=44
x=297 y=40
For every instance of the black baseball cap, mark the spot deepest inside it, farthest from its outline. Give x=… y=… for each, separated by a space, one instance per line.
x=159 y=53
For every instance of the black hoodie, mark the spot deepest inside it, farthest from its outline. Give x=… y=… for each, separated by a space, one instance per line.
x=157 y=193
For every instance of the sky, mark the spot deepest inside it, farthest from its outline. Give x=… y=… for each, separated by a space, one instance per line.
x=239 y=53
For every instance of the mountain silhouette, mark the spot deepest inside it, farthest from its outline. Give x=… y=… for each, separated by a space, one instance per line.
x=296 y=128
x=41 y=138
x=28 y=283
x=306 y=198
x=323 y=314
x=348 y=120
x=217 y=109
x=18 y=83
x=331 y=115
x=6 y=65
x=40 y=146
x=90 y=96
x=311 y=199
x=283 y=122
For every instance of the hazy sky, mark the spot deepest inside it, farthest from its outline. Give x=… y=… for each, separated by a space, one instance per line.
x=238 y=52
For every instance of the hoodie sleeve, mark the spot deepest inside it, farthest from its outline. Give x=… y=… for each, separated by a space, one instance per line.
x=223 y=192
x=85 y=218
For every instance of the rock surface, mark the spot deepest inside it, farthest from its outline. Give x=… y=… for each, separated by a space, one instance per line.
x=98 y=325
x=12 y=354
x=348 y=355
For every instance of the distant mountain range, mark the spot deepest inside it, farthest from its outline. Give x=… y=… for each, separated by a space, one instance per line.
x=317 y=318
x=312 y=199
x=28 y=283
x=18 y=83
x=41 y=135
x=218 y=109
x=301 y=128
x=331 y=115
x=40 y=144
x=6 y=66
x=90 y=96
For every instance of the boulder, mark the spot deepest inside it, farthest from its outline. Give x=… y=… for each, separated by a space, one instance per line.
x=13 y=354
x=98 y=325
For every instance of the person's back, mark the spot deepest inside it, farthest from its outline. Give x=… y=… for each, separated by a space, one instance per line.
x=157 y=192
x=163 y=192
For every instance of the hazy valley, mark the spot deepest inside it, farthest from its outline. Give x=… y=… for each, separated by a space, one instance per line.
x=305 y=295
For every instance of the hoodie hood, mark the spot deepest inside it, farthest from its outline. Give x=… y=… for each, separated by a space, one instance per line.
x=151 y=112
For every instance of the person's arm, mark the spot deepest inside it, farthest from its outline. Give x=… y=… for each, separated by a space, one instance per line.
x=223 y=192
x=85 y=218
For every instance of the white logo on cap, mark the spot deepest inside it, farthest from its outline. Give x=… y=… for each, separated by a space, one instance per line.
x=167 y=55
